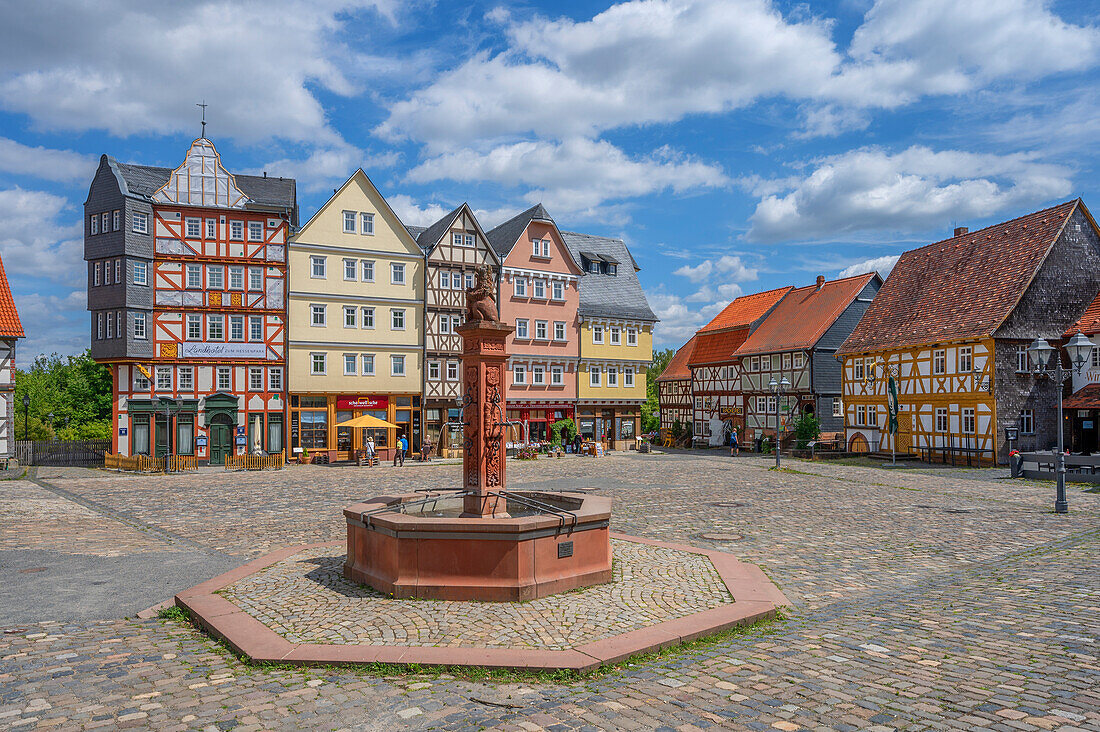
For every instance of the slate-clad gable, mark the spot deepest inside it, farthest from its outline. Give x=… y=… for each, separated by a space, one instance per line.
x=605 y=295
x=505 y=236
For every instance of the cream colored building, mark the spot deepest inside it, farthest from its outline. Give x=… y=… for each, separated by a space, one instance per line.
x=356 y=342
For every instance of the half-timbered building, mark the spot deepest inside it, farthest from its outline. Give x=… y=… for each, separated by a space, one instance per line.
x=616 y=341
x=11 y=329
x=539 y=295
x=356 y=325
x=454 y=247
x=719 y=404
x=797 y=341
x=674 y=390
x=952 y=324
x=1082 y=407
x=187 y=289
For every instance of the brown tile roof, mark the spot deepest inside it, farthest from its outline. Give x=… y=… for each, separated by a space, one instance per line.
x=1088 y=397
x=10 y=327
x=963 y=287
x=1088 y=323
x=717 y=347
x=803 y=316
x=677 y=369
x=745 y=310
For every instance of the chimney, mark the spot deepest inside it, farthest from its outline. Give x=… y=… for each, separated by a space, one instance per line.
x=960 y=230
x=820 y=282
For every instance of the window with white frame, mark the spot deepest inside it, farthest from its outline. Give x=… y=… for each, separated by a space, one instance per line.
x=943 y=423
x=1027 y=422
x=838 y=407
x=631 y=336
x=255 y=328
x=118 y=323
x=559 y=330
x=255 y=279
x=612 y=376
x=796 y=360
x=236 y=327
x=349 y=222
x=95 y=224
x=538 y=375
x=872 y=415
x=966 y=360
x=519 y=374
x=557 y=376
x=317 y=364
x=397 y=365
x=223 y=376
x=140 y=223
x=215 y=277
x=139 y=326
x=616 y=335
x=397 y=273
x=597 y=334
x=141 y=273
x=540 y=248
x=255 y=378
x=116 y=220
x=628 y=377
x=164 y=378
x=211 y=228
x=349 y=269
x=236 y=278
x=557 y=290
x=397 y=319
x=520 y=286
x=456 y=239
x=468 y=240
x=857 y=369
x=255 y=231
x=787 y=361
x=594 y=267
x=275 y=378
x=1021 y=360
x=539 y=286
x=521 y=328
x=349 y=317
x=444 y=279
x=968 y=421
x=317 y=267
x=193 y=228
x=452 y=371
x=469 y=280
x=194 y=327
x=118 y=271
x=317 y=315
x=939 y=361
x=186 y=378
x=95 y=277
x=366 y=270
x=236 y=230
x=366 y=223
x=455 y=322
x=350 y=364
x=366 y=315
x=433 y=370
x=194 y=277
x=110 y=325
x=861 y=415
x=456 y=280
x=140 y=382
x=445 y=324
x=106 y=222
x=215 y=327
x=593 y=375
x=1095 y=357
x=542 y=330
x=368 y=364
x=754 y=363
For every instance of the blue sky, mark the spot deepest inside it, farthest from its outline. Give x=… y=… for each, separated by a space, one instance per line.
x=735 y=145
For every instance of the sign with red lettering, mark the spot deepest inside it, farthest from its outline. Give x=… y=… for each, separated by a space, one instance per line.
x=362 y=402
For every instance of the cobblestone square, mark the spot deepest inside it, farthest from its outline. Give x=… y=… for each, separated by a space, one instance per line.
x=924 y=599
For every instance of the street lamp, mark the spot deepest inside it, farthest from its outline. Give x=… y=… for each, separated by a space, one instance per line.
x=777 y=387
x=50 y=418
x=168 y=403
x=1048 y=363
x=26 y=416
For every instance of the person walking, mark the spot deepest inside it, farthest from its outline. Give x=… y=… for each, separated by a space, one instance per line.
x=370 y=451
x=399 y=451
x=735 y=449
x=577 y=444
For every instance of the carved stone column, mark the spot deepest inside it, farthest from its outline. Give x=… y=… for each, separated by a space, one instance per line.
x=484 y=361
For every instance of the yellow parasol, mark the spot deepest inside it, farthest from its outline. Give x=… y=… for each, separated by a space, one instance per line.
x=368 y=421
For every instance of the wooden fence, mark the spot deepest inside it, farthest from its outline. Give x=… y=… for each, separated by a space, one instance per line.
x=1042 y=466
x=254 y=462
x=180 y=463
x=133 y=463
x=68 y=453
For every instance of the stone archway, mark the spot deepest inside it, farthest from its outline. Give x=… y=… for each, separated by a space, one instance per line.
x=858 y=443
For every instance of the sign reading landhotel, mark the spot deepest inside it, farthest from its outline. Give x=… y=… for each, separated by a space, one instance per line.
x=195 y=349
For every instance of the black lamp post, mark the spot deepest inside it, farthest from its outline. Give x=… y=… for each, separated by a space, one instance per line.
x=777 y=387
x=26 y=416
x=168 y=403
x=50 y=417
x=1048 y=362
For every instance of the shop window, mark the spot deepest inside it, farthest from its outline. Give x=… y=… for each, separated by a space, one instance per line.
x=139 y=430
x=314 y=429
x=275 y=433
x=185 y=435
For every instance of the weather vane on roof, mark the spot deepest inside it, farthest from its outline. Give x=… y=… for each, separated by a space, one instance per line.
x=203 y=105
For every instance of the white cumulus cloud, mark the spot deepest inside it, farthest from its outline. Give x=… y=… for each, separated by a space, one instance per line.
x=882 y=265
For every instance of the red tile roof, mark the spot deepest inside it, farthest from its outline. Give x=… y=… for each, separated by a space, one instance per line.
x=963 y=287
x=803 y=316
x=10 y=327
x=717 y=347
x=745 y=310
x=677 y=368
x=1088 y=397
x=1088 y=323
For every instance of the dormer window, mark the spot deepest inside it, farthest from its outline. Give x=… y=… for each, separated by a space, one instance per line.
x=594 y=267
x=612 y=269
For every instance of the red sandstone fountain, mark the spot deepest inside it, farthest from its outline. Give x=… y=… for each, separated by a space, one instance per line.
x=482 y=541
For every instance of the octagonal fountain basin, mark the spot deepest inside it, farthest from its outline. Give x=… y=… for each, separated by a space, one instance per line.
x=419 y=545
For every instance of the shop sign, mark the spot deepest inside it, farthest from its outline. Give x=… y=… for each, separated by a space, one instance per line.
x=728 y=412
x=362 y=402
x=195 y=349
x=200 y=441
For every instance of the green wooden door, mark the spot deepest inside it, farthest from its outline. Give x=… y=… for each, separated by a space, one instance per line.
x=221 y=439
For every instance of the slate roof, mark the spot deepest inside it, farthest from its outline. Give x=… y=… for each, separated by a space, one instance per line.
x=677 y=368
x=803 y=316
x=415 y=231
x=959 y=288
x=505 y=236
x=429 y=237
x=143 y=180
x=746 y=309
x=1088 y=323
x=604 y=295
x=10 y=327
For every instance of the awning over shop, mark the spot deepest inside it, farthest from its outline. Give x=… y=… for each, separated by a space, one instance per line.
x=1085 y=398
x=367 y=421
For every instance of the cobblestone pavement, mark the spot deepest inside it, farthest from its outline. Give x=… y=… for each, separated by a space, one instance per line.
x=925 y=600
x=306 y=599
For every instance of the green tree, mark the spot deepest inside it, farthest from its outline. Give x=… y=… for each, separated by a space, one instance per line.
x=806 y=428
x=72 y=388
x=651 y=418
